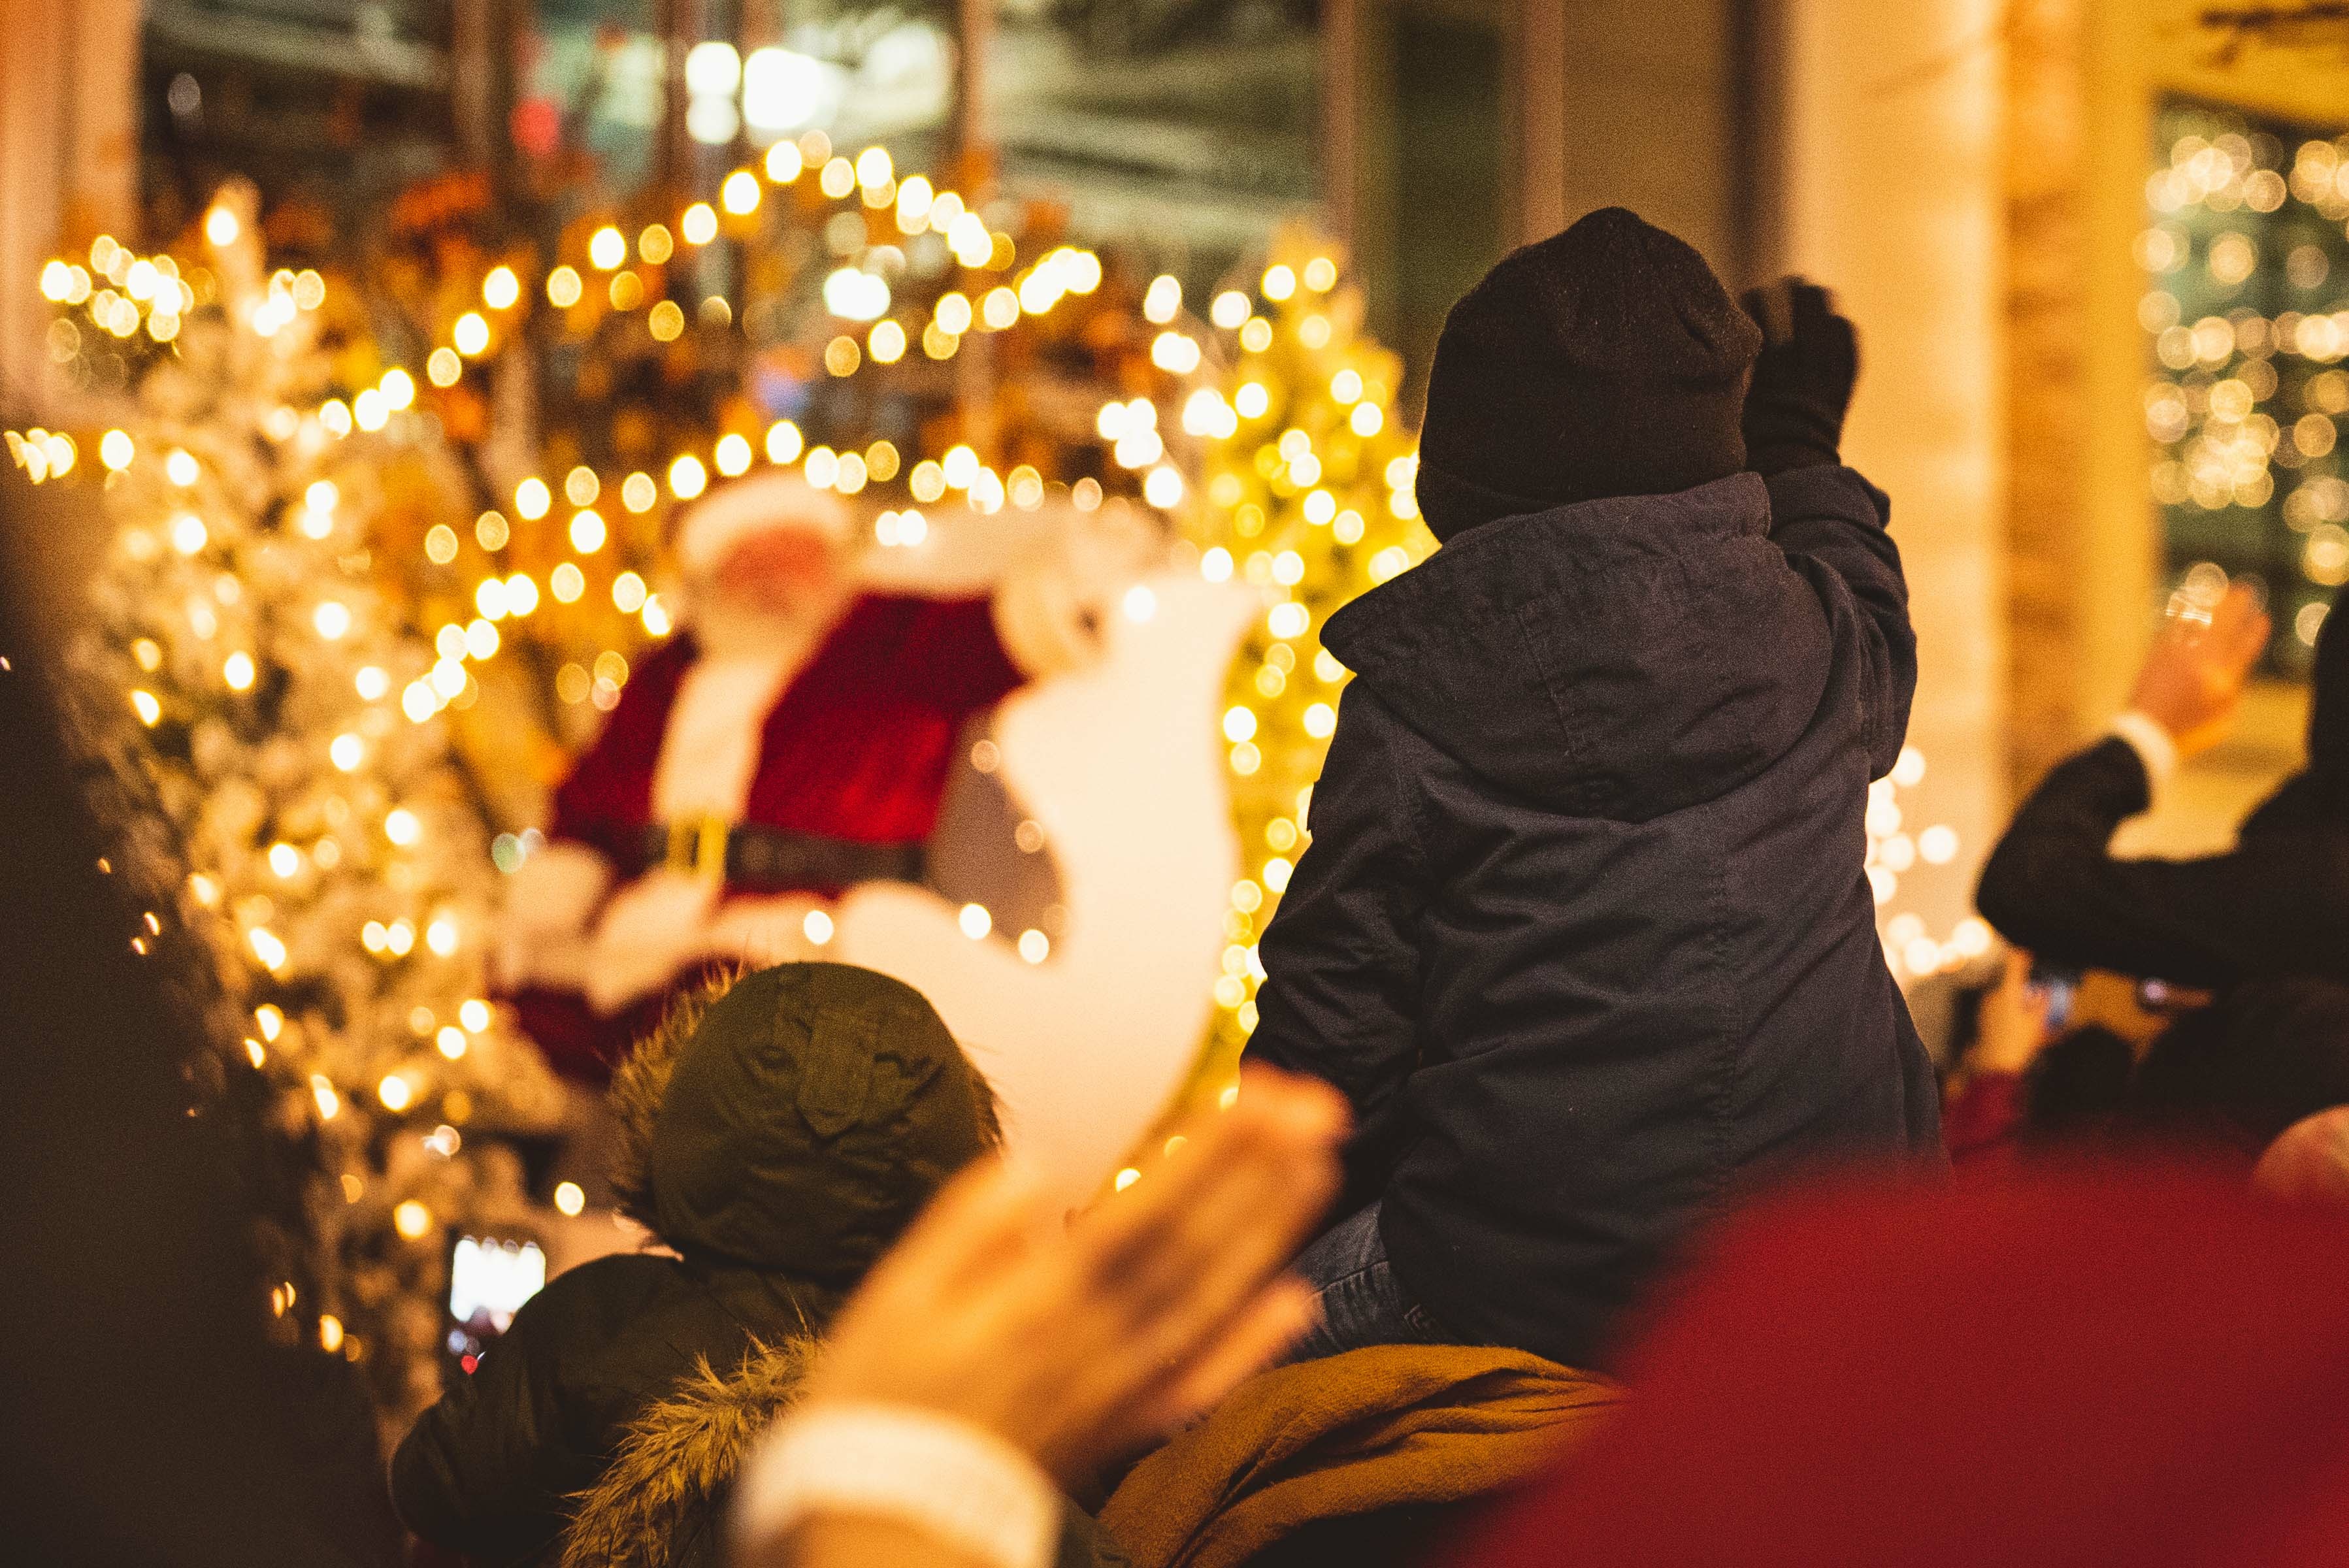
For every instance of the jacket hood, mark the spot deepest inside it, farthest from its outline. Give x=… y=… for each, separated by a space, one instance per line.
x=796 y=1119
x=657 y=1503
x=1619 y=658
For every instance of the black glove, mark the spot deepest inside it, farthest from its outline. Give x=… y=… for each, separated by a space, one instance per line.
x=1802 y=380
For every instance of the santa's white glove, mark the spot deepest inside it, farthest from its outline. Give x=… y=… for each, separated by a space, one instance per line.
x=652 y=929
x=1052 y=609
x=765 y=931
x=550 y=902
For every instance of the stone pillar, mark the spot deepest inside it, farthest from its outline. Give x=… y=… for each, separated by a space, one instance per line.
x=1891 y=121
x=2084 y=547
x=68 y=159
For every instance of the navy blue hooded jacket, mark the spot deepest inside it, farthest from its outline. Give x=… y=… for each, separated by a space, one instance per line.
x=1583 y=932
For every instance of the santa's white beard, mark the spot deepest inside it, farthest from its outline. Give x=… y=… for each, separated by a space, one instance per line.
x=728 y=626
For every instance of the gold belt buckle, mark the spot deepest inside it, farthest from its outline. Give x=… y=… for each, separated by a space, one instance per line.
x=696 y=846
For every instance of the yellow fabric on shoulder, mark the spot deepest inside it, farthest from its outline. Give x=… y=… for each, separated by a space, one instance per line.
x=1375 y=1428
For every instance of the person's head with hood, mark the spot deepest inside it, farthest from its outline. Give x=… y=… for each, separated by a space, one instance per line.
x=2320 y=791
x=794 y=1120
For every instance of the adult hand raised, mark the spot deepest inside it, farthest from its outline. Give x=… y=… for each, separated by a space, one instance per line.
x=2192 y=681
x=1072 y=1343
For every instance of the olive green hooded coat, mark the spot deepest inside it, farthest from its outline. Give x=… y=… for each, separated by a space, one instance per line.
x=778 y=1135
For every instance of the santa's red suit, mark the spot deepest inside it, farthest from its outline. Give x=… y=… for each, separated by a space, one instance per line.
x=753 y=768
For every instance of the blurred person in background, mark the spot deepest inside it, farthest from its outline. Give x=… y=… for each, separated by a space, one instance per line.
x=2276 y=904
x=2101 y=1367
x=148 y=1416
x=2222 y=1080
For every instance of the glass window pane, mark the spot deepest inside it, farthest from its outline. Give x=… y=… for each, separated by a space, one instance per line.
x=2247 y=311
x=1190 y=124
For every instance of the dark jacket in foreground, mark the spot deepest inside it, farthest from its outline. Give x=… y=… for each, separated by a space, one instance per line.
x=778 y=1142
x=1584 y=932
x=2277 y=904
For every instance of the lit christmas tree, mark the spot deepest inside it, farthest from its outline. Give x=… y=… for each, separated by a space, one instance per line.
x=283 y=714
x=1307 y=493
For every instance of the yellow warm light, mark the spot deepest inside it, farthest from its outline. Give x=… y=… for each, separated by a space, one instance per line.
x=606 y=249
x=501 y=289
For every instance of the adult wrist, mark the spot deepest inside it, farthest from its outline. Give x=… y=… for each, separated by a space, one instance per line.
x=2155 y=747
x=950 y=1480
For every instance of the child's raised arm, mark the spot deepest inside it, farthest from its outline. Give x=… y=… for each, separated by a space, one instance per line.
x=1831 y=524
x=1830 y=521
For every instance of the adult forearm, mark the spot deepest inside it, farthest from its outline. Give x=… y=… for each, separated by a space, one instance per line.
x=851 y=1540
x=2047 y=885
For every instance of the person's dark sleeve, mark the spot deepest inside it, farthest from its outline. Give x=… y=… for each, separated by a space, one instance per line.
x=486 y=1471
x=1340 y=995
x=2052 y=886
x=1832 y=525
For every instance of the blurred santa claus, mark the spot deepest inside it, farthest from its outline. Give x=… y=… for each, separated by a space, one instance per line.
x=792 y=740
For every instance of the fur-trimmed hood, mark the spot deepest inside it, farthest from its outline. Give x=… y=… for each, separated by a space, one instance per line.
x=795 y=1120
x=658 y=1505
x=662 y=1503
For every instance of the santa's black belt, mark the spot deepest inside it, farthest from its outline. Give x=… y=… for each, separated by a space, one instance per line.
x=768 y=860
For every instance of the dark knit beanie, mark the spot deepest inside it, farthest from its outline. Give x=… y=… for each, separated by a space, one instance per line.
x=1604 y=361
